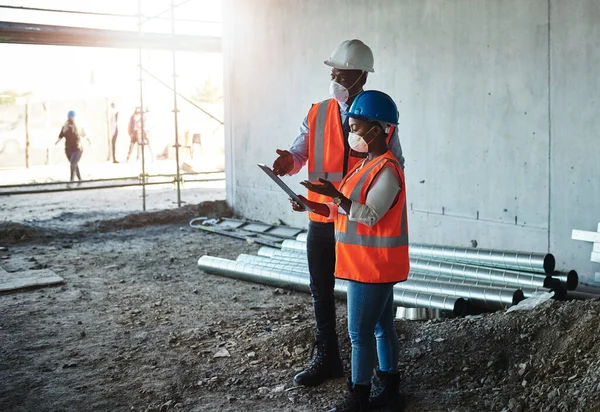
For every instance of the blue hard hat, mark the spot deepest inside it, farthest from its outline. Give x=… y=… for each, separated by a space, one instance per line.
x=374 y=106
x=71 y=114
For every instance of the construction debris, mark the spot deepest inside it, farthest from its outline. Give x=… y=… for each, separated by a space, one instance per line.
x=593 y=237
x=27 y=279
x=253 y=232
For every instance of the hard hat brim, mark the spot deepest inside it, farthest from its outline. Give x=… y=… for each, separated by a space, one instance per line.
x=368 y=119
x=341 y=66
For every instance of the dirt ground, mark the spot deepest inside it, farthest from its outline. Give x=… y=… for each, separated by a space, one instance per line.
x=137 y=326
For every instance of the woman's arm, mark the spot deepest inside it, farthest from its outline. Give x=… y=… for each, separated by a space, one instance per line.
x=380 y=198
x=318 y=208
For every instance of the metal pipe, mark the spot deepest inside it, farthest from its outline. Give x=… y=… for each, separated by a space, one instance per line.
x=490 y=296
x=300 y=282
x=476 y=272
x=271 y=252
x=175 y=109
x=301 y=266
x=296 y=259
x=266 y=251
x=302 y=237
x=575 y=294
x=293 y=249
x=527 y=291
x=531 y=262
x=268 y=255
x=299 y=261
x=570 y=278
x=44 y=34
x=111 y=179
x=73 y=189
x=270 y=263
x=487 y=297
x=103 y=14
x=430 y=301
x=201 y=180
x=293 y=246
x=142 y=141
x=594 y=290
x=543 y=263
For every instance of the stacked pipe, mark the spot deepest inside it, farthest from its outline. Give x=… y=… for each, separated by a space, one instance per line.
x=446 y=278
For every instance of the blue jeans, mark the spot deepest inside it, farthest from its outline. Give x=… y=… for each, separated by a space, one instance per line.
x=371 y=329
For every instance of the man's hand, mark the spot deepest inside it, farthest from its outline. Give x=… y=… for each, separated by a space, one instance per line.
x=326 y=188
x=284 y=163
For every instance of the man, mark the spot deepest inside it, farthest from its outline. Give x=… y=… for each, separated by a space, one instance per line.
x=323 y=143
x=113 y=128
x=136 y=135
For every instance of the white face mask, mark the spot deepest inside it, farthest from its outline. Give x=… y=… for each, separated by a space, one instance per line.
x=358 y=143
x=338 y=92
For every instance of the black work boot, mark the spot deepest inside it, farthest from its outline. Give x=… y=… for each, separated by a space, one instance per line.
x=326 y=364
x=357 y=399
x=385 y=392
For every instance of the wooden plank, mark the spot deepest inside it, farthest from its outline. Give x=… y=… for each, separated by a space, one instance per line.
x=595 y=257
x=11 y=282
x=596 y=247
x=585 y=236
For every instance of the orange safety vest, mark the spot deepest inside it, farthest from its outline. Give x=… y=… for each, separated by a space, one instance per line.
x=377 y=254
x=326 y=149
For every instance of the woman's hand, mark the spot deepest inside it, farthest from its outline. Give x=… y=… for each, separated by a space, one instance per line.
x=297 y=207
x=326 y=188
x=318 y=208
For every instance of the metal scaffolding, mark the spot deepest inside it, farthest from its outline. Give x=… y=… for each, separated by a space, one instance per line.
x=26 y=33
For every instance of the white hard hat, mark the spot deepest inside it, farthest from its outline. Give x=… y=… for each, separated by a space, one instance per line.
x=352 y=55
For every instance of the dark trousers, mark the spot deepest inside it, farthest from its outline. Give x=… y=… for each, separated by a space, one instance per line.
x=320 y=248
x=74 y=156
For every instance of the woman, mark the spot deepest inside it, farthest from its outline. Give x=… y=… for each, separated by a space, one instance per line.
x=73 y=147
x=369 y=212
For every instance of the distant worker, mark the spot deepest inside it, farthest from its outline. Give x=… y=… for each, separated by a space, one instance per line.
x=323 y=143
x=73 y=147
x=113 y=125
x=136 y=135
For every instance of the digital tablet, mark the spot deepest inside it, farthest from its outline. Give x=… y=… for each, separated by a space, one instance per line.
x=282 y=185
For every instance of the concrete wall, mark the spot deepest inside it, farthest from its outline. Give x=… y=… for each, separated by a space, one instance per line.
x=498 y=102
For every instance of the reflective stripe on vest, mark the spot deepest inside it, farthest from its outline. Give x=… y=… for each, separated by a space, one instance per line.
x=351 y=237
x=318 y=161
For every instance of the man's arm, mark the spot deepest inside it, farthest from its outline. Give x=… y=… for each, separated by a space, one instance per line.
x=396 y=148
x=291 y=161
x=299 y=148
